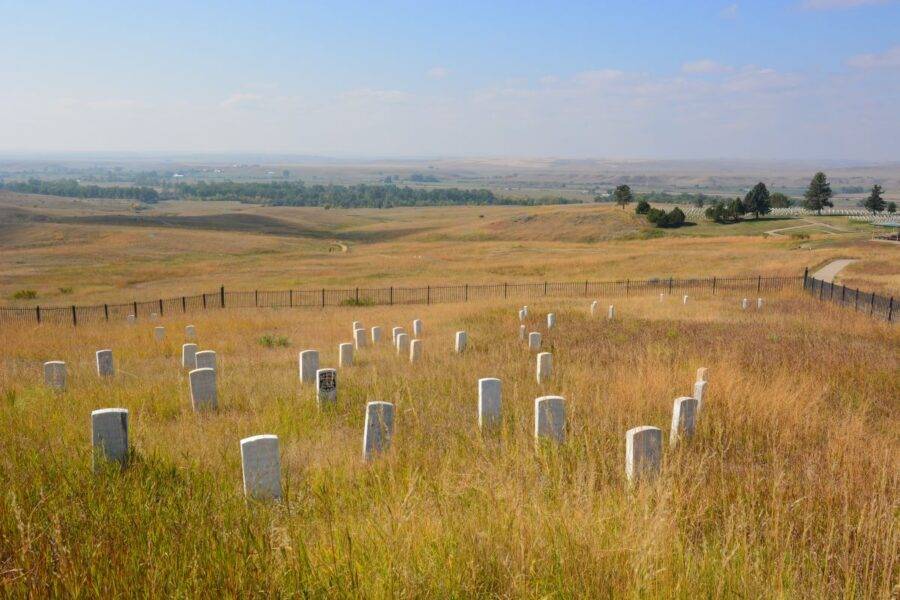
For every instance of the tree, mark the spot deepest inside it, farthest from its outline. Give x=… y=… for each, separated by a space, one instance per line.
x=737 y=207
x=642 y=208
x=723 y=213
x=892 y=207
x=757 y=201
x=875 y=202
x=623 y=195
x=818 y=194
x=779 y=200
x=675 y=218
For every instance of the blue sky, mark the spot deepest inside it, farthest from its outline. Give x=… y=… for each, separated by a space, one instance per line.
x=795 y=79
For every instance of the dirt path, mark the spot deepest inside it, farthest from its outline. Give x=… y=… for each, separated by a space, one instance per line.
x=829 y=271
x=809 y=223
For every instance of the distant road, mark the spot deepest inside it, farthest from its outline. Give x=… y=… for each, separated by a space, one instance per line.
x=829 y=271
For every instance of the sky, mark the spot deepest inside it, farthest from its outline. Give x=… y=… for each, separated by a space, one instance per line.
x=798 y=79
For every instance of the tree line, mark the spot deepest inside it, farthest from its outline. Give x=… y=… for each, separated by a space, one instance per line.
x=71 y=188
x=296 y=193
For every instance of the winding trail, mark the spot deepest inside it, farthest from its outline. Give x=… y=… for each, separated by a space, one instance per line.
x=829 y=271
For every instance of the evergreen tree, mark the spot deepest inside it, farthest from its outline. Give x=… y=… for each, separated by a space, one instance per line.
x=892 y=207
x=623 y=195
x=757 y=201
x=875 y=202
x=779 y=200
x=818 y=194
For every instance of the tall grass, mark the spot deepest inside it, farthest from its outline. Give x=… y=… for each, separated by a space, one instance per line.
x=789 y=488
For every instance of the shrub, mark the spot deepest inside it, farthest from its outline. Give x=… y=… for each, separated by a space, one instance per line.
x=675 y=218
x=654 y=215
x=271 y=341
x=25 y=295
x=355 y=302
x=65 y=290
x=642 y=208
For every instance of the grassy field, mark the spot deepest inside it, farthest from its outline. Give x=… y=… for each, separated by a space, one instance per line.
x=93 y=252
x=787 y=490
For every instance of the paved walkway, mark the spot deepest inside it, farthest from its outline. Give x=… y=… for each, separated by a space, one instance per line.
x=829 y=271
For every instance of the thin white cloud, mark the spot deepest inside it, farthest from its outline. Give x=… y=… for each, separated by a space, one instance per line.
x=730 y=11
x=437 y=72
x=705 y=66
x=838 y=4
x=369 y=95
x=889 y=59
x=242 y=100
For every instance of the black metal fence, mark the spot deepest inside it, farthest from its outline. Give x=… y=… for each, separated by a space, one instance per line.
x=223 y=298
x=875 y=305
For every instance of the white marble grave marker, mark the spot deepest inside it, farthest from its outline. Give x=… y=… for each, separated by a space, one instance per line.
x=309 y=364
x=759 y=303
x=544 y=366
x=702 y=373
x=488 y=403
x=521 y=315
x=684 y=419
x=534 y=340
x=744 y=304
x=109 y=436
x=611 y=312
x=550 y=419
x=105 y=366
x=551 y=320
x=130 y=318
x=206 y=359
x=699 y=393
x=261 y=467
x=203 y=389
x=462 y=339
x=662 y=297
x=523 y=333
x=55 y=374
x=402 y=344
x=359 y=338
x=417 y=327
x=376 y=335
x=326 y=386
x=643 y=449
x=525 y=308
x=394 y=333
x=189 y=356
x=345 y=354
x=190 y=333
x=357 y=325
x=379 y=428
x=594 y=305
x=684 y=299
x=415 y=351
x=159 y=333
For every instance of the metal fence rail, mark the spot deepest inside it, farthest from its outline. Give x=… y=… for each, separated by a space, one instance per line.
x=875 y=305
x=75 y=315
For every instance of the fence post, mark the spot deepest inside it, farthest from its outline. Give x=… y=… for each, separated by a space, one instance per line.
x=255 y=297
x=758 y=283
x=585 y=287
x=504 y=291
x=831 y=297
x=627 y=286
x=357 y=295
x=391 y=296
x=323 y=297
x=891 y=309
x=872 y=305
x=805 y=276
x=204 y=300
x=222 y=295
x=106 y=311
x=714 y=286
x=670 y=285
x=160 y=307
x=856 y=301
x=135 y=309
x=467 y=292
x=545 y=288
x=184 y=304
x=74 y=316
x=843 y=293
x=428 y=294
x=37 y=312
x=291 y=298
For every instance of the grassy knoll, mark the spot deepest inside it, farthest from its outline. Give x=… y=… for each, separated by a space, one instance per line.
x=788 y=489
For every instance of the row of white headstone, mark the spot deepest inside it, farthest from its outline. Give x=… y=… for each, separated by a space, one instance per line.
x=261 y=457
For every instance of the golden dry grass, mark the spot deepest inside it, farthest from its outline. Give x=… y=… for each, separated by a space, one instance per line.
x=788 y=489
